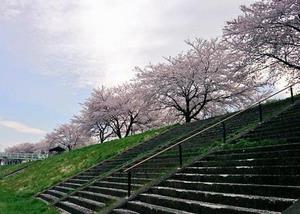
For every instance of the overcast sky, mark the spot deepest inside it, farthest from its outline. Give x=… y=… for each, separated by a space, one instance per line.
x=52 y=53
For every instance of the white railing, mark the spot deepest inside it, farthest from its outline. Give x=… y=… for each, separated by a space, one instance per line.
x=23 y=156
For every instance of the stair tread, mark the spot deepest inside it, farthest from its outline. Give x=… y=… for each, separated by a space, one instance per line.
x=253 y=153
x=236 y=175
x=124 y=211
x=233 y=184
x=241 y=167
x=214 y=205
x=225 y=194
x=116 y=183
x=156 y=207
x=76 y=184
x=66 y=188
x=77 y=207
x=109 y=188
x=75 y=179
x=98 y=194
x=247 y=159
x=89 y=201
x=53 y=198
x=56 y=191
x=262 y=147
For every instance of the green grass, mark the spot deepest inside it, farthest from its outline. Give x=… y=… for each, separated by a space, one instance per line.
x=16 y=191
x=13 y=203
x=8 y=169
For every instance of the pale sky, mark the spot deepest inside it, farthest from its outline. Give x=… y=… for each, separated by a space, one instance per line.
x=52 y=53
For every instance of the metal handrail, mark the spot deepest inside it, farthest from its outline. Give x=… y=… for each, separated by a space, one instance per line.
x=212 y=126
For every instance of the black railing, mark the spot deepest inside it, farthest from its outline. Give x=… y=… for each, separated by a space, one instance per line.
x=224 y=133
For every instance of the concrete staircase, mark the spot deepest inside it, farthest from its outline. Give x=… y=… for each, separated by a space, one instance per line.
x=250 y=180
x=105 y=184
x=254 y=180
x=78 y=181
x=284 y=127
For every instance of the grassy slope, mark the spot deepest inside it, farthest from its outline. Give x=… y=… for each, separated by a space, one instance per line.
x=8 y=169
x=16 y=191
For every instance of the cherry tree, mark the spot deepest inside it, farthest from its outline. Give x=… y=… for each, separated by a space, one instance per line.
x=115 y=111
x=128 y=110
x=93 y=119
x=268 y=32
x=68 y=135
x=207 y=75
x=21 y=148
x=42 y=146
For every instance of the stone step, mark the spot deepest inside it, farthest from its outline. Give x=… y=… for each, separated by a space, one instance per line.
x=87 y=203
x=48 y=198
x=196 y=206
x=248 y=201
x=73 y=208
x=70 y=185
x=253 y=155
x=261 y=149
x=146 y=175
x=250 y=162
x=278 y=170
x=95 y=196
x=292 y=180
x=153 y=169
x=173 y=154
x=63 y=189
x=290 y=140
x=61 y=211
x=84 y=177
x=201 y=207
x=275 y=134
x=107 y=191
x=159 y=159
x=280 y=127
x=123 y=211
x=55 y=193
x=290 y=114
x=125 y=179
x=292 y=192
x=284 y=119
x=93 y=173
x=116 y=185
x=161 y=163
x=78 y=181
x=141 y=207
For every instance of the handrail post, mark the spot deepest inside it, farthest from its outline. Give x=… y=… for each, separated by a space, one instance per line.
x=129 y=183
x=260 y=112
x=292 y=94
x=224 y=132
x=180 y=155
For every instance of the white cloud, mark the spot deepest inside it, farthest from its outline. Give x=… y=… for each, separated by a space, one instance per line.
x=99 y=42
x=21 y=127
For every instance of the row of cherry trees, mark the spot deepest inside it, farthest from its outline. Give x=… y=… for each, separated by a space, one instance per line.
x=268 y=33
x=211 y=77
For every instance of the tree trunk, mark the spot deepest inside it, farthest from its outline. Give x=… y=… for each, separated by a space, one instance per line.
x=119 y=134
x=188 y=118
